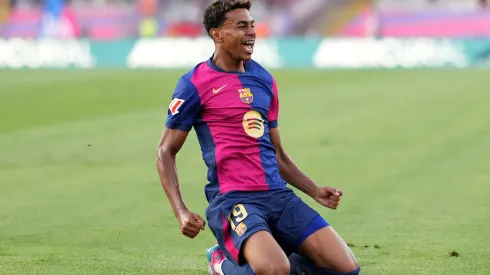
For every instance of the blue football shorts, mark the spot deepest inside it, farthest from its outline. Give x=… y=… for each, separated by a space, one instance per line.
x=235 y=216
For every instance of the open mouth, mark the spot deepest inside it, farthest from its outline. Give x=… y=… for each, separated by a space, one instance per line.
x=248 y=45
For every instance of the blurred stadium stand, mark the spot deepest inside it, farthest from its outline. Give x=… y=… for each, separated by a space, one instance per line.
x=125 y=19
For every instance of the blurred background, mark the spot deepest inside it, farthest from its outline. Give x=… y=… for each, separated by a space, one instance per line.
x=293 y=33
x=123 y=19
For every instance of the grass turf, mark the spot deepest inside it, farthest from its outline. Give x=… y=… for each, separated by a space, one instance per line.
x=79 y=192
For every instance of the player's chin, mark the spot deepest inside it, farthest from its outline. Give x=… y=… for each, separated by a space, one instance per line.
x=246 y=52
x=247 y=55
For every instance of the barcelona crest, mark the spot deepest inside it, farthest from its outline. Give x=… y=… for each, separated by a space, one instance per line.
x=246 y=95
x=240 y=229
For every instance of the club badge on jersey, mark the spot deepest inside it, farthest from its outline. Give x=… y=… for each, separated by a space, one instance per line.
x=246 y=95
x=241 y=229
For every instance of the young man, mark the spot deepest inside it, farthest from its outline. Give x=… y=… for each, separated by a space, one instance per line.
x=232 y=103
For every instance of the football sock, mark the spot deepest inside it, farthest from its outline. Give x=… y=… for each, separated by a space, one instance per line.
x=298 y=264
x=302 y=265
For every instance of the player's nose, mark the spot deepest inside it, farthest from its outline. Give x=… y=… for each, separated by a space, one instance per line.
x=251 y=32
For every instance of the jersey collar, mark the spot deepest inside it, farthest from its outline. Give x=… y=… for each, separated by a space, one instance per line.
x=213 y=66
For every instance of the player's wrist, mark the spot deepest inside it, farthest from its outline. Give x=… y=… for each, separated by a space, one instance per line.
x=315 y=193
x=180 y=211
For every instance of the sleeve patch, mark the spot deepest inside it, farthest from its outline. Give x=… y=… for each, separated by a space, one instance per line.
x=175 y=105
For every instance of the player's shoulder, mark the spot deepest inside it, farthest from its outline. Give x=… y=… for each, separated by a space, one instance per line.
x=186 y=80
x=260 y=70
x=189 y=74
x=185 y=83
x=257 y=67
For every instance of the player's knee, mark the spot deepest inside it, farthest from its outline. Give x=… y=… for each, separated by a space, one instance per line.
x=273 y=268
x=354 y=272
x=347 y=267
x=345 y=263
x=352 y=268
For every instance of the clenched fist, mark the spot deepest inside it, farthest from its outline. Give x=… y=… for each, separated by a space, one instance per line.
x=328 y=196
x=190 y=224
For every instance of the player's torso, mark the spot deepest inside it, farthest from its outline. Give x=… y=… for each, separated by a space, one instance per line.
x=234 y=112
x=239 y=103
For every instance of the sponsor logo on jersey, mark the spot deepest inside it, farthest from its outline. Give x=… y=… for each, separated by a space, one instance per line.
x=215 y=91
x=253 y=124
x=175 y=105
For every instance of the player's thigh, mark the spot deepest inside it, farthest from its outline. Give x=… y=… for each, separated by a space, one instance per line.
x=296 y=222
x=327 y=250
x=233 y=224
x=264 y=255
x=301 y=229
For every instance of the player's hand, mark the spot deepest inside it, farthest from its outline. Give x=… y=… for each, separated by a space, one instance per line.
x=328 y=196
x=190 y=224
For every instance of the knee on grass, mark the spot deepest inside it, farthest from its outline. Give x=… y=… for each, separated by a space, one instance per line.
x=354 y=272
x=330 y=272
x=272 y=268
x=351 y=270
x=347 y=266
x=325 y=267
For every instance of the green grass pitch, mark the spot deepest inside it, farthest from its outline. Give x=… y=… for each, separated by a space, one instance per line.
x=79 y=191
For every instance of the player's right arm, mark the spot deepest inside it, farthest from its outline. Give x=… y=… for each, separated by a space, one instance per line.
x=182 y=112
x=170 y=143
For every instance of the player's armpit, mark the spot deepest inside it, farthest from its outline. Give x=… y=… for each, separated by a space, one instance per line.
x=289 y=171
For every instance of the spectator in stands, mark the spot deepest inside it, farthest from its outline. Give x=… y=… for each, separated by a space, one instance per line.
x=149 y=24
x=6 y=7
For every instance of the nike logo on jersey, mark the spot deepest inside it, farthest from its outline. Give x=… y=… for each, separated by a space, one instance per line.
x=218 y=90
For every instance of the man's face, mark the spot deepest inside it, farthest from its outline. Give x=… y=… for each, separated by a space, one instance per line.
x=238 y=34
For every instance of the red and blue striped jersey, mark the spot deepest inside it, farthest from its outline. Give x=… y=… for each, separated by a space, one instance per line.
x=231 y=113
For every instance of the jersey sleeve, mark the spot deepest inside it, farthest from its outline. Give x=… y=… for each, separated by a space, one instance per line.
x=184 y=107
x=274 y=108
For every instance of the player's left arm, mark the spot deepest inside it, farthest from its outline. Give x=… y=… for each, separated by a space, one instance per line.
x=293 y=175
x=289 y=171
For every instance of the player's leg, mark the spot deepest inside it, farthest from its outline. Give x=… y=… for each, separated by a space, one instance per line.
x=218 y=264
x=265 y=256
x=302 y=230
x=262 y=255
x=326 y=249
x=243 y=236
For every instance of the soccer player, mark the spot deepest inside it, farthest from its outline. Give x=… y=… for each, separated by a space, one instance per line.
x=261 y=225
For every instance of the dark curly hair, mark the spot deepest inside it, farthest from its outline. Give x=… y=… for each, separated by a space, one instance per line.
x=215 y=14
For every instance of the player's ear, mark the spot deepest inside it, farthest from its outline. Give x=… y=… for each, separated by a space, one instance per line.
x=216 y=35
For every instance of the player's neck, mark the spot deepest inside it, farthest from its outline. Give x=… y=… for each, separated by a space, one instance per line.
x=227 y=63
